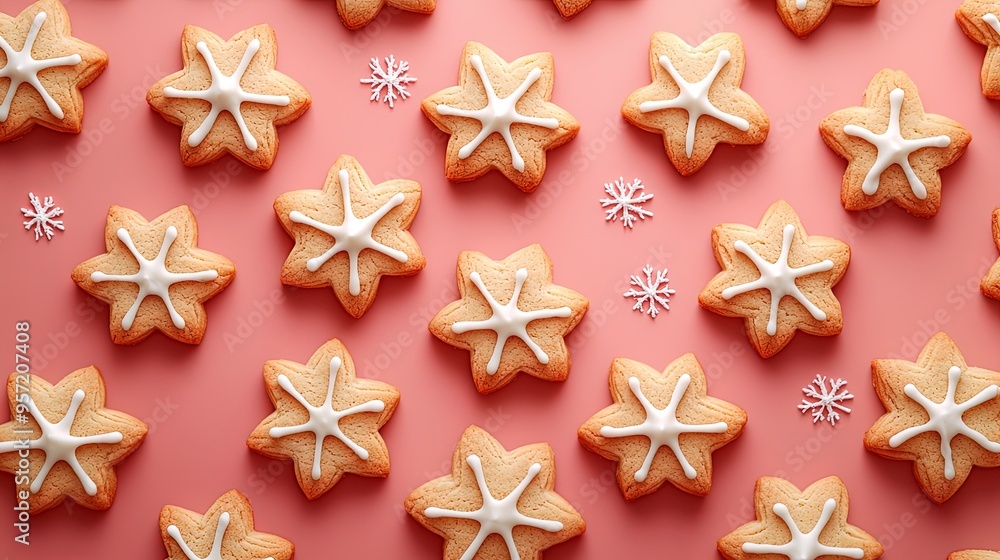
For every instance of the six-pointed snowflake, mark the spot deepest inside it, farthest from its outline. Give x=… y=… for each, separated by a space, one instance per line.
x=625 y=202
x=827 y=403
x=650 y=291
x=391 y=81
x=41 y=216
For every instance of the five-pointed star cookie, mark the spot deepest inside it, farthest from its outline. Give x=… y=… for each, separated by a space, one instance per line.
x=496 y=503
x=663 y=427
x=762 y=265
x=974 y=555
x=569 y=8
x=511 y=317
x=695 y=101
x=350 y=234
x=499 y=117
x=74 y=441
x=358 y=13
x=229 y=98
x=154 y=276
x=804 y=16
x=43 y=70
x=894 y=150
x=800 y=524
x=979 y=20
x=226 y=531
x=990 y=285
x=325 y=419
x=941 y=414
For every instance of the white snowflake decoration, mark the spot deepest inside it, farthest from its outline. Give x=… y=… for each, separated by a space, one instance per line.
x=40 y=216
x=650 y=291
x=625 y=202
x=393 y=80
x=827 y=404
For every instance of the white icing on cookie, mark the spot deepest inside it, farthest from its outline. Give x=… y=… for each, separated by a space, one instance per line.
x=804 y=546
x=801 y=4
x=893 y=149
x=779 y=279
x=353 y=235
x=662 y=427
x=226 y=94
x=508 y=320
x=498 y=114
x=945 y=418
x=22 y=68
x=153 y=278
x=216 y=552
x=497 y=516
x=992 y=21
x=59 y=444
x=323 y=419
x=693 y=98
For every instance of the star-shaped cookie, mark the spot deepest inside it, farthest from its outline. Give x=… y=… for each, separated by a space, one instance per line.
x=800 y=524
x=884 y=163
x=499 y=117
x=941 y=414
x=974 y=555
x=229 y=98
x=569 y=8
x=358 y=13
x=804 y=16
x=511 y=317
x=350 y=234
x=325 y=419
x=690 y=83
x=154 y=276
x=762 y=265
x=225 y=531
x=663 y=427
x=496 y=503
x=44 y=70
x=990 y=285
x=74 y=441
x=979 y=20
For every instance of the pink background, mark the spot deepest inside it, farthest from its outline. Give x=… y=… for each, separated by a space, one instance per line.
x=908 y=278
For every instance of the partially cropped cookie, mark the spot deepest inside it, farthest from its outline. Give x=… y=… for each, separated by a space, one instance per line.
x=894 y=150
x=229 y=98
x=496 y=504
x=350 y=234
x=325 y=419
x=990 y=285
x=800 y=525
x=358 y=13
x=44 y=69
x=695 y=101
x=778 y=278
x=570 y=8
x=974 y=555
x=154 y=276
x=662 y=428
x=225 y=531
x=500 y=117
x=940 y=413
x=72 y=441
x=980 y=20
x=511 y=318
x=804 y=16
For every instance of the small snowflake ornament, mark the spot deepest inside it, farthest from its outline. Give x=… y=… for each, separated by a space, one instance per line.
x=625 y=202
x=41 y=216
x=389 y=84
x=827 y=403
x=650 y=291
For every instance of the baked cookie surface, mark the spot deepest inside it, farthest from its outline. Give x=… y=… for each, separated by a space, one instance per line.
x=804 y=16
x=358 y=13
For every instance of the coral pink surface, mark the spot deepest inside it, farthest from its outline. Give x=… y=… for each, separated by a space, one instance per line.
x=908 y=278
